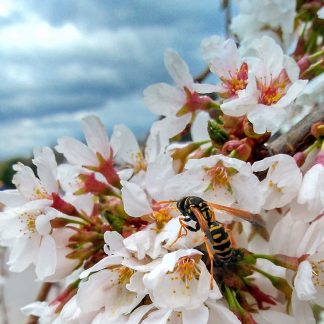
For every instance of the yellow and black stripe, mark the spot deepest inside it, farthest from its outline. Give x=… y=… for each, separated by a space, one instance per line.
x=221 y=242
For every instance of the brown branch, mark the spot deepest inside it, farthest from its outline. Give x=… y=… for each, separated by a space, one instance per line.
x=42 y=295
x=202 y=76
x=298 y=137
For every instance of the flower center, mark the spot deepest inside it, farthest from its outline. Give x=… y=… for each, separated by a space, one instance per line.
x=237 y=82
x=186 y=269
x=124 y=275
x=219 y=174
x=28 y=220
x=272 y=92
x=140 y=162
x=162 y=217
x=318 y=273
x=194 y=102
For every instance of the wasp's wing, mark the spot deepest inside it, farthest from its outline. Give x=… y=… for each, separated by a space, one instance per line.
x=254 y=219
x=202 y=222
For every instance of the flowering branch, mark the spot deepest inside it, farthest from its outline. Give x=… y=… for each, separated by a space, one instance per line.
x=298 y=137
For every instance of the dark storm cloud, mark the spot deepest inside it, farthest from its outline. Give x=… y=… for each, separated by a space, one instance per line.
x=61 y=60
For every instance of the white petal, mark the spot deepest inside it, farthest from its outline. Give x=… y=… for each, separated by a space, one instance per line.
x=44 y=159
x=218 y=313
x=159 y=316
x=124 y=144
x=199 y=131
x=42 y=222
x=198 y=315
x=102 y=264
x=96 y=135
x=266 y=118
x=46 y=260
x=163 y=99
x=178 y=69
x=302 y=310
x=293 y=92
x=139 y=313
x=135 y=200
x=36 y=308
x=12 y=198
x=23 y=253
x=157 y=174
x=76 y=152
x=304 y=286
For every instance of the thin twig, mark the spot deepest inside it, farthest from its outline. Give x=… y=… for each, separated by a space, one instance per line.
x=298 y=137
x=202 y=76
x=42 y=295
x=228 y=18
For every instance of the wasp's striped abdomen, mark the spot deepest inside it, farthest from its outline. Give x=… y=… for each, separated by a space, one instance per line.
x=221 y=242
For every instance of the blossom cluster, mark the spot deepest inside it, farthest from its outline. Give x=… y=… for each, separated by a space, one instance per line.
x=108 y=223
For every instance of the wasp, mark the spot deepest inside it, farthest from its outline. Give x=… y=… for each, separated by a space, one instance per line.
x=200 y=212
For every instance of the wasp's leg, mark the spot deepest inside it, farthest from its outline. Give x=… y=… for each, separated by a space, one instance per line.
x=183 y=226
x=193 y=229
x=211 y=259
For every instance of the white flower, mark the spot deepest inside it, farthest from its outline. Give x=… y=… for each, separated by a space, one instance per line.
x=224 y=60
x=127 y=151
x=45 y=312
x=219 y=179
x=309 y=280
x=180 y=102
x=273 y=85
x=211 y=312
x=96 y=155
x=313 y=92
x=282 y=182
x=181 y=280
x=273 y=317
x=320 y=13
x=256 y=17
x=111 y=292
x=310 y=200
x=138 y=198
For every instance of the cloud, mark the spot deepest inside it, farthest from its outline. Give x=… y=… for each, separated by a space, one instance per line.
x=63 y=59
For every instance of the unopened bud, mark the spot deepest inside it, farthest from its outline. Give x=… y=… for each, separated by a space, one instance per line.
x=285 y=261
x=259 y=296
x=299 y=158
x=304 y=63
x=217 y=133
x=242 y=148
x=61 y=205
x=59 y=222
x=319 y=159
x=317 y=130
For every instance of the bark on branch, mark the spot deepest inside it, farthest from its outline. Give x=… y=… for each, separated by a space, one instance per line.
x=298 y=137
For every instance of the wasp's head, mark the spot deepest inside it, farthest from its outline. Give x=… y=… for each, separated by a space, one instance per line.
x=181 y=206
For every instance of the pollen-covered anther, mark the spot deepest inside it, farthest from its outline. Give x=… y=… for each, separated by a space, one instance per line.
x=318 y=273
x=237 y=81
x=124 y=275
x=40 y=193
x=272 y=92
x=28 y=219
x=186 y=270
x=162 y=217
x=140 y=163
x=219 y=174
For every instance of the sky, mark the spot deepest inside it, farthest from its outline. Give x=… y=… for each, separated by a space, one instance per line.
x=61 y=60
